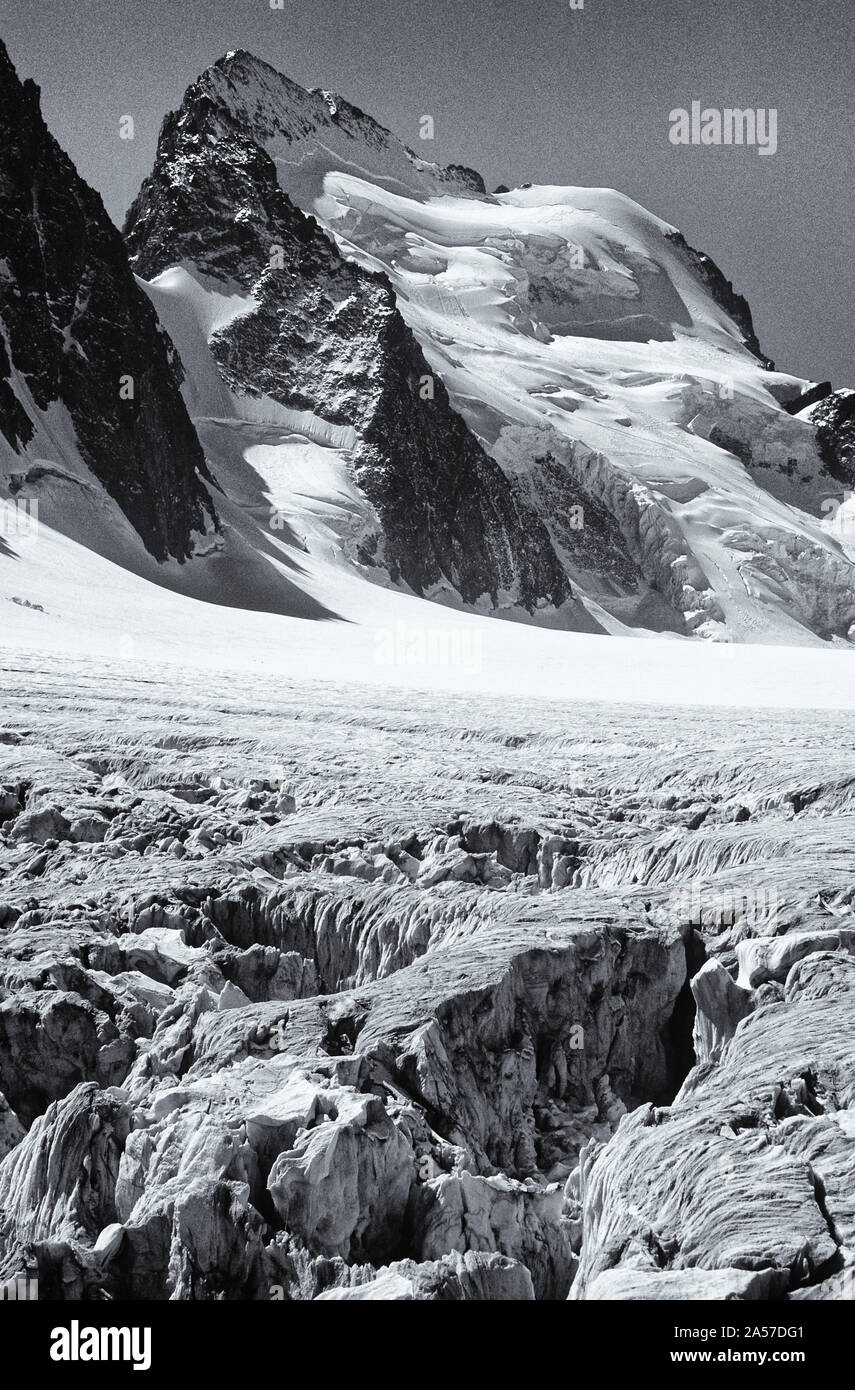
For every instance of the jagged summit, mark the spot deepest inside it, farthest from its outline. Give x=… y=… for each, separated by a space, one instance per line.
x=316 y=130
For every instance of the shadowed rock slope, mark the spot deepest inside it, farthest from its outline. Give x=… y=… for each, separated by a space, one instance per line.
x=77 y=337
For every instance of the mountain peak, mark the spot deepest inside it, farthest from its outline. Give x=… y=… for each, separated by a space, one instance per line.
x=316 y=130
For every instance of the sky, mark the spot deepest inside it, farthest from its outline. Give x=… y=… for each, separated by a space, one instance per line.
x=534 y=91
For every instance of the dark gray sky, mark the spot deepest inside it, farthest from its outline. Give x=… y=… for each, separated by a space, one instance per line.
x=527 y=91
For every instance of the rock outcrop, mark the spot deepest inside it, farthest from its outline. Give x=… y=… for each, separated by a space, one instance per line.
x=86 y=371
x=834 y=420
x=722 y=291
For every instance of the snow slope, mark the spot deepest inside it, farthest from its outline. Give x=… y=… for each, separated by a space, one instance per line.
x=60 y=599
x=560 y=317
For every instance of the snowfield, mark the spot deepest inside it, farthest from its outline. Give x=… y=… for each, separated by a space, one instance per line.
x=60 y=599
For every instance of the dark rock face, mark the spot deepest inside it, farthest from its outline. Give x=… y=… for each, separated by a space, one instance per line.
x=834 y=419
x=598 y=546
x=76 y=325
x=468 y=177
x=800 y=402
x=326 y=336
x=723 y=293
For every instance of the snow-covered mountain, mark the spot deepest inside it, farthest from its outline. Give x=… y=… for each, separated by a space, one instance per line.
x=312 y=351
x=608 y=369
x=539 y=404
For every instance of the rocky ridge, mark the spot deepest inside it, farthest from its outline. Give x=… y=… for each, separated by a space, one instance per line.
x=84 y=363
